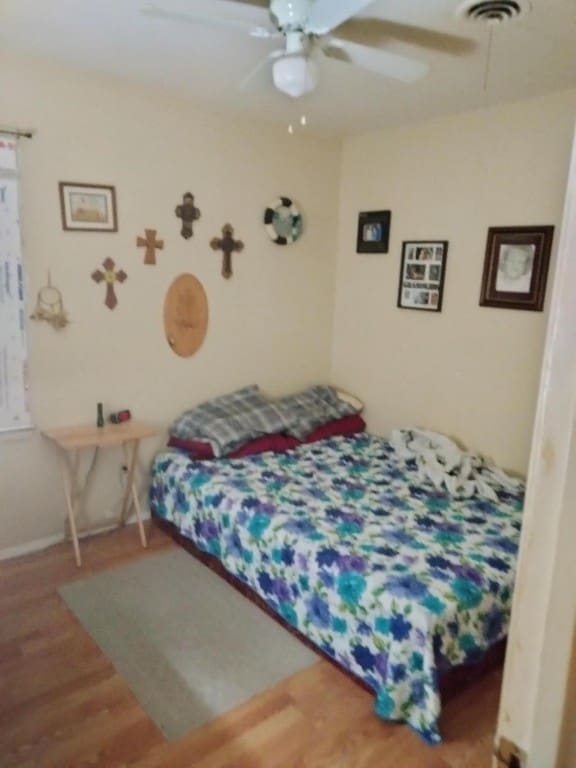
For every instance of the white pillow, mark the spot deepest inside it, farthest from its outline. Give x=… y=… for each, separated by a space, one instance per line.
x=352 y=400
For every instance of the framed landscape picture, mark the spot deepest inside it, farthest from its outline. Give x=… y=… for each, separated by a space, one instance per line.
x=422 y=274
x=373 y=232
x=88 y=207
x=516 y=267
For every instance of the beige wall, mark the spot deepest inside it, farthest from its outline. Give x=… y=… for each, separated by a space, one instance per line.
x=271 y=323
x=469 y=371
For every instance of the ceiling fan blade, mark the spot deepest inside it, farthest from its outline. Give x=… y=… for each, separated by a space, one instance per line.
x=337 y=53
x=257 y=3
x=386 y=63
x=191 y=18
x=375 y=32
x=258 y=68
x=326 y=15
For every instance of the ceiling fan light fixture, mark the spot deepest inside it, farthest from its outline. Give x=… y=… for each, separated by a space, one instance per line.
x=295 y=75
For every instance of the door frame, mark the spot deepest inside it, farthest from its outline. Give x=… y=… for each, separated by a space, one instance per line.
x=539 y=650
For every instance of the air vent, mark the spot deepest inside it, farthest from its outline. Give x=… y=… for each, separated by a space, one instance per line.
x=494 y=11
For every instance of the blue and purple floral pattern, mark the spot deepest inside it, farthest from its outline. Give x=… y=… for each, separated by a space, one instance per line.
x=393 y=579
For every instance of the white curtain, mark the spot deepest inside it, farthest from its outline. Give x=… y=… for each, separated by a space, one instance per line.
x=14 y=406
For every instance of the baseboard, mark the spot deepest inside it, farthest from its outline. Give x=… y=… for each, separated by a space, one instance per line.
x=39 y=544
x=32 y=546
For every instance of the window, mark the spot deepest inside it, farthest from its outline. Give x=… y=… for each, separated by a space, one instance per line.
x=14 y=408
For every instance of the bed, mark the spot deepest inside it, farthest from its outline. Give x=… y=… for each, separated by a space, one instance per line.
x=393 y=579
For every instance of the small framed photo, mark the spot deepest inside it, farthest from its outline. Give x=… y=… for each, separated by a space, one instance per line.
x=422 y=274
x=516 y=267
x=88 y=207
x=373 y=232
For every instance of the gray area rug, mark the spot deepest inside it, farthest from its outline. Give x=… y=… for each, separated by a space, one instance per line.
x=189 y=645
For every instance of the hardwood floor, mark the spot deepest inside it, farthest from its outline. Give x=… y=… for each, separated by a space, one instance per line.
x=62 y=705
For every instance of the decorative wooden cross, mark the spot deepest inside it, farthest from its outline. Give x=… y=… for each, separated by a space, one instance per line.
x=151 y=244
x=188 y=213
x=228 y=246
x=109 y=276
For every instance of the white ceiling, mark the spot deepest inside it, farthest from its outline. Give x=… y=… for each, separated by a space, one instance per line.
x=526 y=57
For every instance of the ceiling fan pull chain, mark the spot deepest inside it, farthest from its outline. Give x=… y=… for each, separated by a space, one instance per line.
x=488 y=58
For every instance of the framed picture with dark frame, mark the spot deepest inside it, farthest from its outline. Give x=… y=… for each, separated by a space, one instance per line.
x=516 y=267
x=88 y=207
x=422 y=274
x=373 y=232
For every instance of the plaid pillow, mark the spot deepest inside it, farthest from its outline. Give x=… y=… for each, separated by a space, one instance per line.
x=231 y=420
x=307 y=410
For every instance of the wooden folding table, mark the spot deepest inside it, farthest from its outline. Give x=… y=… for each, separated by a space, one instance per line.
x=72 y=440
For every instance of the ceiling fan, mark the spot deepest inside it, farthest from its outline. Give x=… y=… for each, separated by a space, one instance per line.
x=313 y=29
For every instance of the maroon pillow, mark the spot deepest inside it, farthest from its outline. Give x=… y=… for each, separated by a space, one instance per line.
x=347 y=425
x=195 y=448
x=275 y=443
x=203 y=451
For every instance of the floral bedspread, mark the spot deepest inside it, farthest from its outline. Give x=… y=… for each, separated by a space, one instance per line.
x=393 y=579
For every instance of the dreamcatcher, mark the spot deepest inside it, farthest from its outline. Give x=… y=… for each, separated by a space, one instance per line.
x=50 y=306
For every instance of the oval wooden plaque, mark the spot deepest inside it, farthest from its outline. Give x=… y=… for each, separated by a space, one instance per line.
x=185 y=315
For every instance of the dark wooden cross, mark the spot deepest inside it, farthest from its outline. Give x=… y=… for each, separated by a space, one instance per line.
x=151 y=244
x=188 y=213
x=228 y=246
x=109 y=276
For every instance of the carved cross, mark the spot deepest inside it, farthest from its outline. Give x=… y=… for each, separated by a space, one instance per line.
x=228 y=246
x=151 y=244
x=188 y=213
x=110 y=277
